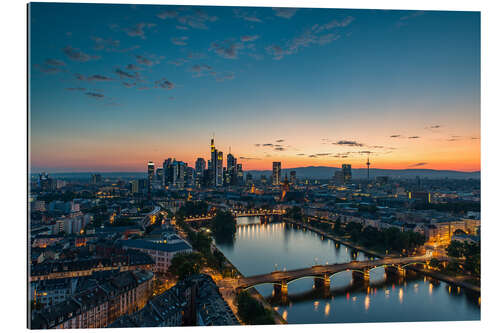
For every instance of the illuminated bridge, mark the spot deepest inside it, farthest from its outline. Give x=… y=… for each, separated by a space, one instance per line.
x=323 y=273
x=238 y=213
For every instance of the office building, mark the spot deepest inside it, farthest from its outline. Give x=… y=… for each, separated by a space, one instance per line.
x=276 y=173
x=346 y=171
x=151 y=175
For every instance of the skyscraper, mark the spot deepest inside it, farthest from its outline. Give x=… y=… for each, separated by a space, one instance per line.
x=346 y=171
x=276 y=173
x=151 y=174
x=239 y=174
x=213 y=163
x=219 y=169
x=368 y=167
x=167 y=172
x=200 y=166
x=293 y=177
x=231 y=169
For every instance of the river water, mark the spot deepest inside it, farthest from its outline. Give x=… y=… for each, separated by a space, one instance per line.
x=263 y=248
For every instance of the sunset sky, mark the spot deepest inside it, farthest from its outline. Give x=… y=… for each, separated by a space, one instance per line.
x=114 y=86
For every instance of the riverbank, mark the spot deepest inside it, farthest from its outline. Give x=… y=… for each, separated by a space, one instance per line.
x=446 y=278
x=278 y=319
x=336 y=238
x=432 y=273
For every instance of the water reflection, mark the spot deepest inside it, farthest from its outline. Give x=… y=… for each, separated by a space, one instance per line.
x=261 y=248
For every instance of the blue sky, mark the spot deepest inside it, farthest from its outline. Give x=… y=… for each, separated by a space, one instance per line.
x=113 y=86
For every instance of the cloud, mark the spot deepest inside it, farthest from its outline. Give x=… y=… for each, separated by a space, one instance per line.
x=280 y=140
x=99 y=78
x=77 y=55
x=76 y=89
x=395 y=136
x=227 y=49
x=246 y=15
x=248 y=38
x=312 y=156
x=47 y=69
x=300 y=154
x=348 y=143
x=279 y=149
x=322 y=154
x=224 y=76
x=418 y=164
x=122 y=74
x=257 y=144
x=316 y=35
x=149 y=61
x=55 y=62
x=165 y=84
x=138 y=29
x=128 y=84
x=403 y=20
x=167 y=14
x=178 y=62
x=285 y=12
x=414 y=137
x=248 y=158
x=196 y=19
x=179 y=40
x=267 y=145
x=94 y=95
x=435 y=126
x=132 y=67
x=105 y=44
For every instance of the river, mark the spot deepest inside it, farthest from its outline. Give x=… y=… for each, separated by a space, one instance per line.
x=263 y=248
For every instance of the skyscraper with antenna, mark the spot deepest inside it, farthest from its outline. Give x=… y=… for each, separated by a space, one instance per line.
x=368 y=166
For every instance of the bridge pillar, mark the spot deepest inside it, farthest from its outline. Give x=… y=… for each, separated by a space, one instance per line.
x=401 y=271
x=363 y=276
x=322 y=282
x=281 y=288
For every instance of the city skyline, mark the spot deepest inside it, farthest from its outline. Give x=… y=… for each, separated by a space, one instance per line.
x=306 y=87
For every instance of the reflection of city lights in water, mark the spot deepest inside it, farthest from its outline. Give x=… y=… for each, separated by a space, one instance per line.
x=285 y=314
x=367 y=302
x=354 y=298
x=316 y=304
x=430 y=288
x=400 y=296
x=347 y=296
x=327 y=309
x=275 y=308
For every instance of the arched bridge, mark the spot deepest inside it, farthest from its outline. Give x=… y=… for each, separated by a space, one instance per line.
x=323 y=273
x=238 y=213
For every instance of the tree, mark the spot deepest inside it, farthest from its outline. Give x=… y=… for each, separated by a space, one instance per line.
x=224 y=226
x=455 y=249
x=251 y=311
x=185 y=264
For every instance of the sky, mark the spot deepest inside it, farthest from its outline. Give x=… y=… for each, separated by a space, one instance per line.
x=115 y=86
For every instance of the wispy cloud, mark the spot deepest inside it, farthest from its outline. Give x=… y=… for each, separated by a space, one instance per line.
x=414 y=137
x=138 y=30
x=250 y=16
x=248 y=158
x=149 y=60
x=94 y=94
x=417 y=164
x=189 y=18
x=316 y=35
x=280 y=140
x=179 y=40
x=227 y=49
x=123 y=74
x=77 y=55
x=349 y=143
x=249 y=38
x=165 y=84
x=285 y=12
x=395 y=136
